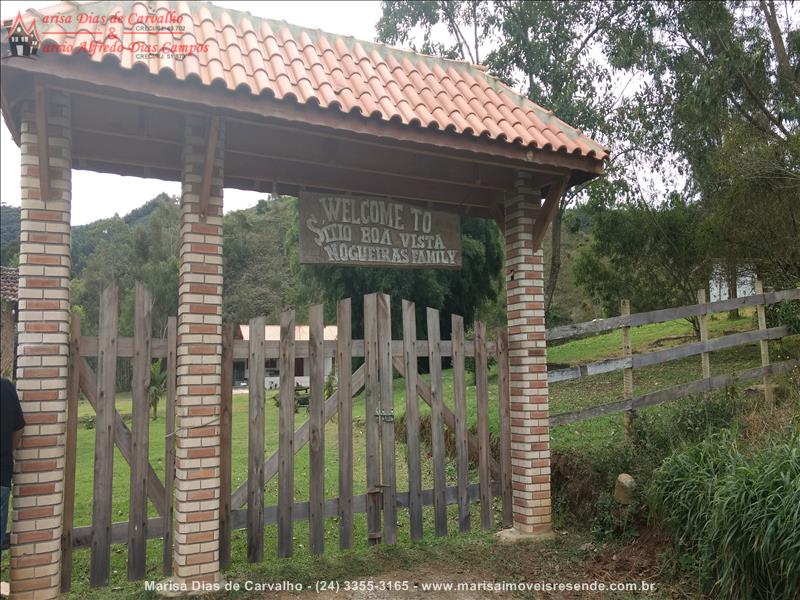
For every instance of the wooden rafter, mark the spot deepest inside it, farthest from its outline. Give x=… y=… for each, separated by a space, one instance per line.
x=42 y=143
x=208 y=166
x=548 y=210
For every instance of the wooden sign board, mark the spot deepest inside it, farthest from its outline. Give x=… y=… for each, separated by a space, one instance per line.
x=376 y=232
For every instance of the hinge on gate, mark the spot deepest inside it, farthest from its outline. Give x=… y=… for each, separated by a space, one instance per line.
x=386 y=417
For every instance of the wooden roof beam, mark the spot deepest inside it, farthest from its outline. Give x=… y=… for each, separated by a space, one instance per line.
x=549 y=209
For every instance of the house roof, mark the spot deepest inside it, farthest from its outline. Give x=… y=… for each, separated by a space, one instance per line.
x=274 y=59
x=272 y=333
x=9 y=283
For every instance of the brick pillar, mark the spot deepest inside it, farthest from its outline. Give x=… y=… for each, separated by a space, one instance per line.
x=198 y=406
x=530 y=433
x=44 y=265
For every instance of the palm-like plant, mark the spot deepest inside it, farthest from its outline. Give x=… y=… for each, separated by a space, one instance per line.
x=158 y=382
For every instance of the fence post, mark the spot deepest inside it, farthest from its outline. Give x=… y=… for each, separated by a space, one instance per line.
x=764 y=343
x=169 y=442
x=627 y=373
x=703 y=321
x=255 y=439
x=225 y=442
x=140 y=433
x=73 y=392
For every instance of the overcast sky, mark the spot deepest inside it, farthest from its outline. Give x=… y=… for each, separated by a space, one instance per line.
x=91 y=191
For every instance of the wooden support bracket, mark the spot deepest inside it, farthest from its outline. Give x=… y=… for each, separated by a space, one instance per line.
x=549 y=210
x=208 y=166
x=42 y=143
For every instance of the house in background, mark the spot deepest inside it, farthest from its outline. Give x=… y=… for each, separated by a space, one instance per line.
x=9 y=282
x=272 y=333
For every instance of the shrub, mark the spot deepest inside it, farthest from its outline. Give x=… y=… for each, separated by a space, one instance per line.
x=737 y=512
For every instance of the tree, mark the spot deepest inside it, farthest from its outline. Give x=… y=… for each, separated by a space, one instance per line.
x=552 y=51
x=9 y=235
x=723 y=103
x=158 y=385
x=655 y=257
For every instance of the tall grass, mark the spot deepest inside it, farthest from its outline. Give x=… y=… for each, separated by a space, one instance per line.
x=736 y=512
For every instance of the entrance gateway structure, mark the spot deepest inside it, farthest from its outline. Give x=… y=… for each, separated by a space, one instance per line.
x=266 y=106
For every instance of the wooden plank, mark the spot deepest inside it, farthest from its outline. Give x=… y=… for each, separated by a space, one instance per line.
x=255 y=442
x=316 y=444
x=388 y=467
x=627 y=372
x=140 y=432
x=241 y=348
x=548 y=210
x=169 y=441
x=504 y=400
x=371 y=404
x=763 y=344
x=424 y=392
x=104 y=439
x=42 y=142
x=300 y=439
x=158 y=347
x=412 y=420
x=595 y=368
x=226 y=446
x=698 y=386
x=70 y=453
x=460 y=404
x=334 y=211
x=647 y=359
x=122 y=436
x=705 y=362
x=82 y=535
x=437 y=423
x=286 y=436
x=484 y=447
x=344 y=362
x=668 y=314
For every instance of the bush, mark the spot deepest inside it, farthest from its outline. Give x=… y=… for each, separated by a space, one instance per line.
x=580 y=478
x=784 y=313
x=737 y=512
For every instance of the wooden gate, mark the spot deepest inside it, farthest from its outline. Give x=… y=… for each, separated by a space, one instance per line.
x=373 y=383
x=381 y=359
x=98 y=387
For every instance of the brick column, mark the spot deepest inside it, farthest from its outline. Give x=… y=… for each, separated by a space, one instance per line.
x=197 y=476
x=44 y=265
x=530 y=433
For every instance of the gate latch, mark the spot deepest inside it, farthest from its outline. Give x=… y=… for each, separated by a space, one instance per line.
x=386 y=417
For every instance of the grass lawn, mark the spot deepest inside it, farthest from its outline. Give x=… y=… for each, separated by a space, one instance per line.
x=363 y=560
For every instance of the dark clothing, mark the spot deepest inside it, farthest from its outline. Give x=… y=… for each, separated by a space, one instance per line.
x=11 y=420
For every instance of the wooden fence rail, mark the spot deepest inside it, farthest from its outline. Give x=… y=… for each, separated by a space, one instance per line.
x=566 y=332
x=629 y=361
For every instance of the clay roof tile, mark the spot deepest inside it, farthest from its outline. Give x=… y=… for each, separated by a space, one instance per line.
x=337 y=73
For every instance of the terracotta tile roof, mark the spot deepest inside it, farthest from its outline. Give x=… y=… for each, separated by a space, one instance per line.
x=9 y=283
x=287 y=62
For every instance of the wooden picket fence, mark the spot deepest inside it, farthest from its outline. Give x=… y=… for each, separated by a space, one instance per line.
x=382 y=357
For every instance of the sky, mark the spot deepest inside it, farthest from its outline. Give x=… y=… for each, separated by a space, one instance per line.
x=90 y=190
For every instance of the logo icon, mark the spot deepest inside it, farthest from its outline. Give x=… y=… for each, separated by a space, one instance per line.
x=23 y=41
